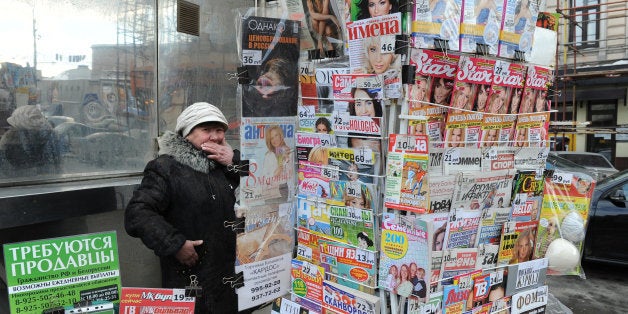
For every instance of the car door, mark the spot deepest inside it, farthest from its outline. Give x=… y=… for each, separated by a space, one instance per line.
x=608 y=227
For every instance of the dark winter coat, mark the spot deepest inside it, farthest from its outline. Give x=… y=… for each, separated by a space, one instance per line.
x=185 y=196
x=32 y=148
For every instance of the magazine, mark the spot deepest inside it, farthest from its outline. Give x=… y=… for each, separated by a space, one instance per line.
x=441 y=193
x=535 y=90
x=351 y=160
x=405 y=256
x=267 y=144
x=353 y=226
x=313 y=215
x=307 y=280
x=353 y=193
x=270 y=50
x=456 y=262
x=495 y=158
x=435 y=21
x=531 y=130
x=517 y=242
x=497 y=131
x=517 y=32
x=462 y=229
x=406 y=173
x=505 y=93
x=527 y=195
x=491 y=224
x=476 y=191
x=343 y=300
x=324 y=23
x=481 y=21
x=307 y=246
x=473 y=79
x=526 y=275
x=322 y=78
x=358 y=105
x=349 y=266
x=535 y=301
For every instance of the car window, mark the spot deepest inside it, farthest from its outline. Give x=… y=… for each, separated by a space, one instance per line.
x=620 y=192
x=588 y=160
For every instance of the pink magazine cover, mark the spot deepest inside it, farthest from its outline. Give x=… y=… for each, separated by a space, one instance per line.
x=534 y=98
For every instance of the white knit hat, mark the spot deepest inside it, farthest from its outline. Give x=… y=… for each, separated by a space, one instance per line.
x=196 y=114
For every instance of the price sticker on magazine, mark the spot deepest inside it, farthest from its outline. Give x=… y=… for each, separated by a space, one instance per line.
x=341 y=120
x=306 y=68
x=289 y=307
x=178 y=295
x=306 y=112
x=309 y=269
x=501 y=69
x=452 y=156
x=405 y=143
x=363 y=156
x=387 y=43
x=364 y=256
x=304 y=251
x=331 y=173
x=491 y=154
x=353 y=189
x=371 y=81
x=251 y=57
x=562 y=178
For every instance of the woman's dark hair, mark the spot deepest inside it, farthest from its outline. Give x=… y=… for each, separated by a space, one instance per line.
x=377 y=103
x=364 y=8
x=284 y=68
x=324 y=121
x=362 y=235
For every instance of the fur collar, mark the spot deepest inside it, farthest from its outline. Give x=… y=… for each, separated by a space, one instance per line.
x=184 y=152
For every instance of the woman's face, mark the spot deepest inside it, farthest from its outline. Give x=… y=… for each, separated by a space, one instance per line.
x=441 y=92
x=438 y=242
x=514 y=105
x=356 y=202
x=418 y=129
x=276 y=138
x=380 y=62
x=540 y=103
x=419 y=91
x=268 y=83
x=404 y=272
x=206 y=132
x=379 y=7
x=364 y=106
x=393 y=270
x=482 y=97
x=321 y=128
x=498 y=103
x=462 y=99
x=523 y=249
x=362 y=243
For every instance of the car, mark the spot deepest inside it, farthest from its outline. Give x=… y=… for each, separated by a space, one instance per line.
x=590 y=160
x=607 y=228
x=560 y=164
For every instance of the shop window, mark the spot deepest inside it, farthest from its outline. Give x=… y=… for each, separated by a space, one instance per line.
x=585 y=26
x=601 y=138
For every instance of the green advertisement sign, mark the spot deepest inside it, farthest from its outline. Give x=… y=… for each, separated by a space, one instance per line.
x=60 y=272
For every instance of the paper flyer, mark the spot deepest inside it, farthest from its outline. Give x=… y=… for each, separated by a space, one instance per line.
x=267 y=144
x=405 y=251
x=48 y=273
x=261 y=286
x=155 y=300
x=270 y=50
x=406 y=173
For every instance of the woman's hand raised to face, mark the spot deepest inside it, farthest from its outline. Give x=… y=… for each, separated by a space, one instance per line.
x=222 y=153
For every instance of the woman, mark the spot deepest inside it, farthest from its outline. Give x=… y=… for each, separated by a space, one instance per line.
x=374 y=8
x=323 y=22
x=523 y=16
x=405 y=286
x=463 y=97
x=31 y=144
x=365 y=103
x=496 y=102
x=418 y=93
x=483 y=11
x=442 y=91
x=482 y=97
x=364 y=242
x=376 y=61
x=527 y=100
x=439 y=238
x=392 y=279
x=523 y=249
x=186 y=195
x=322 y=125
x=521 y=138
x=278 y=159
x=540 y=102
x=514 y=102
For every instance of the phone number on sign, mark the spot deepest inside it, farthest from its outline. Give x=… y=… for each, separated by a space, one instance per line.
x=265 y=294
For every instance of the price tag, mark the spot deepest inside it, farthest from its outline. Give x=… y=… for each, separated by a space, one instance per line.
x=405 y=143
x=354 y=213
x=251 y=57
x=465 y=282
x=309 y=269
x=452 y=156
x=363 y=156
x=178 y=295
x=387 y=44
x=330 y=173
x=341 y=119
x=306 y=111
x=491 y=154
x=304 y=252
x=371 y=81
x=353 y=189
x=364 y=256
x=306 y=68
x=501 y=69
x=562 y=178
x=542 y=156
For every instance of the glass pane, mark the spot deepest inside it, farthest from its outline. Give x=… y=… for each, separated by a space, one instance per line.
x=76 y=90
